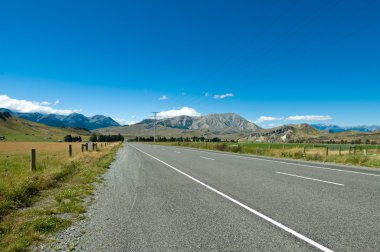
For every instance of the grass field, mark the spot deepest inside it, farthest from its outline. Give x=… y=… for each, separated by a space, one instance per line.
x=363 y=155
x=32 y=203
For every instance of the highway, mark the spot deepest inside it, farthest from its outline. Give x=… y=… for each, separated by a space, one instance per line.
x=159 y=198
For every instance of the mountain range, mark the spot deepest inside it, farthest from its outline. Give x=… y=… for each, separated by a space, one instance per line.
x=18 y=129
x=227 y=124
x=335 y=128
x=74 y=120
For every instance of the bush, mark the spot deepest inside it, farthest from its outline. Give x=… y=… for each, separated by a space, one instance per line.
x=221 y=147
x=298 y=154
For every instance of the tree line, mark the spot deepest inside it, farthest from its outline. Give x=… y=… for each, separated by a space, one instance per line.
x=106 y=138
x=70 y=138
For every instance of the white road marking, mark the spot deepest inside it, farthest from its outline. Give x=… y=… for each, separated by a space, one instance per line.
x=285 y=228
x=177 y=152
x=288 y=163
x=207 y=158
x=163 y=149
x=324 y=181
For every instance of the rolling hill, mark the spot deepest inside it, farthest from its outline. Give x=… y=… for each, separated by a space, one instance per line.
x=305 y=132
x=18 y=129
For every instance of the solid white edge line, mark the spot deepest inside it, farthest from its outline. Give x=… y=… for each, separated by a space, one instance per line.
x=289 y=230
x=207 y=158
x=319 y=180
x=283 y=162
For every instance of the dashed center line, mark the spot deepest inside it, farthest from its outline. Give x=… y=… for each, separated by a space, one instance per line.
x=324 y=181
x=253 y=211
x=207 y=158
x=177 y=152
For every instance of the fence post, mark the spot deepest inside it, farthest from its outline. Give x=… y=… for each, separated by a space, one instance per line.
x=86 y=146
x=33 y=160
x=327 y=150
x=70 y=150
x=304 y=151
x=365 y=152
x=340 y=150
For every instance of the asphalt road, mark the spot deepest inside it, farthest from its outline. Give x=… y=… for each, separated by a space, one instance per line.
x=159 y=198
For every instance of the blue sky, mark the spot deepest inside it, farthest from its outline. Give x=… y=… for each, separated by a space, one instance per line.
x=268 y=61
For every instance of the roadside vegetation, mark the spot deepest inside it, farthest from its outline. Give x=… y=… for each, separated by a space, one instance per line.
x=362 y=154
x=35 y=204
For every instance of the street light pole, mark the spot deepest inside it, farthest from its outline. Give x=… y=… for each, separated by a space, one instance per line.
x=155 y=119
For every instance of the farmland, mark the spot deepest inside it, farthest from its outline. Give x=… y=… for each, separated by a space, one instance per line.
x=32 y=202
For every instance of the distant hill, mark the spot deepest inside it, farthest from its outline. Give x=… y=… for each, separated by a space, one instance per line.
x=228 y=125
x=335 y=128
x=285 y=133
x=74 y=120
x=19 y=129
x=305 y=132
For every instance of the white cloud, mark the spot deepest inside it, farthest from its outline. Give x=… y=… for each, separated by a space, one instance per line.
x=223 y=96
x=294 y=118
x=178 y=112
x=268 y=118
x=25 y=106
x=164 y=97
x=56 y=102
x=309 y=118
x=124 y=122
x=44 y=103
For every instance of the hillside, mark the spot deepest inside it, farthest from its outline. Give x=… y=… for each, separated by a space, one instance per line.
x=305 y=132
x=18 y=129
x=74 y=120
x=228 y=125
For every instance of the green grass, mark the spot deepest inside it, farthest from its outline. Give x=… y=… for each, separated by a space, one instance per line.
x=313 y=152
x=35 y=204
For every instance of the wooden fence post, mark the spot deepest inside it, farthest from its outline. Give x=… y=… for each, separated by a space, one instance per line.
x=70 y=150
x=365 y=152
x=304 y=151
x=340 y=150
x=33 y=160
x=327 y=150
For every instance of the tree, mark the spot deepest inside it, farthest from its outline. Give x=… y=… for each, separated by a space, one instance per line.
x=93 y=138
x=68 y=138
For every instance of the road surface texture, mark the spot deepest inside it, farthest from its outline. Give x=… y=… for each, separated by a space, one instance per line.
x=158 y=198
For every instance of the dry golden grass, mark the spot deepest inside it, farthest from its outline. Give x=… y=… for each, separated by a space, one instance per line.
x=11 y=148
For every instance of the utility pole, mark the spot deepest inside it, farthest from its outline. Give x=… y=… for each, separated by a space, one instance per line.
x=155 y=119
